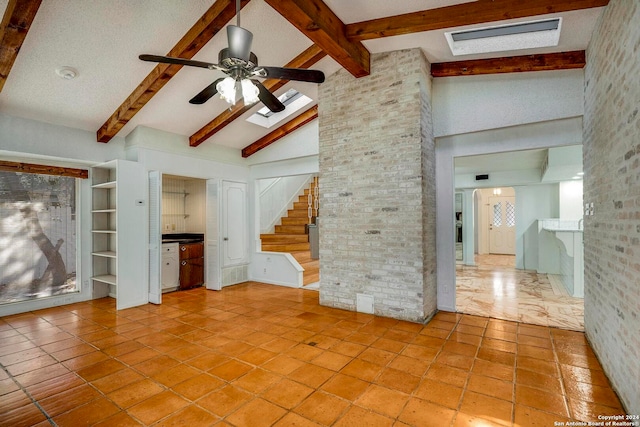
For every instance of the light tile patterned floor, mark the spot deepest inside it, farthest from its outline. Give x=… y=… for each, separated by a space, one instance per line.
x=260 y=355
x=497 y=289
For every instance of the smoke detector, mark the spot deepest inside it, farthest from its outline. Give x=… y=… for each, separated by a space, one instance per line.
x=67 y=73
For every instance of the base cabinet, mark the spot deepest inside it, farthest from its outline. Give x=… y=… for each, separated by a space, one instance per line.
x=191 y=265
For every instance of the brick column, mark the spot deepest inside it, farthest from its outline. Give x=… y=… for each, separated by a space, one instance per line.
x=377 y=188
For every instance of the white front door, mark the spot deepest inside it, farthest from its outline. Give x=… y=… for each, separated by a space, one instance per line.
x=502 y=225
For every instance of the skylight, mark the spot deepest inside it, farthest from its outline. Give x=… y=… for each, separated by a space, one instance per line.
x=523 y=35
x=292 y=100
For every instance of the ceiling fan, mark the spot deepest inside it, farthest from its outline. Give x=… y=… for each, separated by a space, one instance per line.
x=241 y=67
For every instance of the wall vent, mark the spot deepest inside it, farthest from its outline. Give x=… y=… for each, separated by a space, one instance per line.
x=482 y=177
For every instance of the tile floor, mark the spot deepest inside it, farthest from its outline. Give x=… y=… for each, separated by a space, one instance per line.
x=260 y=355
x=495 y=288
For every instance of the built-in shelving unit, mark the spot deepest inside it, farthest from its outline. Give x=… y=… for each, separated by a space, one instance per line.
x=118 y=218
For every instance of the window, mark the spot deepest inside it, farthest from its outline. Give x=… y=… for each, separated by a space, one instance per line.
x=497 y=214
x=37 y=236
x=291 y=99
x=511 y=215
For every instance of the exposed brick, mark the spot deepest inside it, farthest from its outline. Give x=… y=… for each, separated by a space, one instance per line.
x=377 y=188
x=612 y=183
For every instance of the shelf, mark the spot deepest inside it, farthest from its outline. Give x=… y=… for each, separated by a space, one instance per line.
x=104 y=231
x=106 y=254
x=106 y=185
x=106 y=278
x=103 y=211
x=176 y=192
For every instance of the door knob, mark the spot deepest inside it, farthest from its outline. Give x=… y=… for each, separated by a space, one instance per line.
x=183 y=248
x=184 y=262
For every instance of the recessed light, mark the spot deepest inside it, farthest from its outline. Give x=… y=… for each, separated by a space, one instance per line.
x=580 y=173
x=575 y=177
x=67 y=73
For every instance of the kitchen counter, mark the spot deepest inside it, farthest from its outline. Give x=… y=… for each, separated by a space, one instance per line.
x=183 y=238
x=560 y=252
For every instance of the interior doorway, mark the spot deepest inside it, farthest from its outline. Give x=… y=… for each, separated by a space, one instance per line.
x=503 y=276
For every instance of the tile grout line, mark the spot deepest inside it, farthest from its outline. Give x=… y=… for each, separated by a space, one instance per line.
x=25 y=391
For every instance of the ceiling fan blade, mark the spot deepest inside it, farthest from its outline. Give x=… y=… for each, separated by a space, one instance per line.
x=298 y=74
x=239 y=41
x=181 y=61
x=267 y=98
x=206 y=93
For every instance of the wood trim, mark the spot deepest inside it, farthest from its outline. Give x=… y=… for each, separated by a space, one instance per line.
x=474 y=12
x=7 y=166
x=305 y=60
x=282 y=131
x=511 y=64
x=214 y=19
x=320 y=24
x=16 y=22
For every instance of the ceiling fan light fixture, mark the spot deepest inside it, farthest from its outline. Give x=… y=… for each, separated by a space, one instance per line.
x=227 y=90
x=249 y=92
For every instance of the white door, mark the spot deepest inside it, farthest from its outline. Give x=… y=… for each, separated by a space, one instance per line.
x=234 y=223
x=155 y=237
x=502 y=226
x=212 y=236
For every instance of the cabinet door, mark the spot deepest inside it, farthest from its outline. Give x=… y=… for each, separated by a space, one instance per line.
x=234 y=223
x=191 y=273
x=191 y=250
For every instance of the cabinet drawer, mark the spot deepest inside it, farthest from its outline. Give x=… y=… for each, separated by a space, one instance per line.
x=191 y=250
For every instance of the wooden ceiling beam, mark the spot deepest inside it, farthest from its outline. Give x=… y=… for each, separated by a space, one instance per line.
x=511 y=64
x=7 y=166
x=281 y=132
x=475 y=12
x=16 y=22
x=305 y=60
x=213 y=20
x=324 y=28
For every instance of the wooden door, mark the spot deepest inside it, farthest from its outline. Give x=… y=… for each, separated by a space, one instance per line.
x=502 y=227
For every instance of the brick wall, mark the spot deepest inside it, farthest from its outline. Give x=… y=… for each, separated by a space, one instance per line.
x=377 y=188
x=612 y=183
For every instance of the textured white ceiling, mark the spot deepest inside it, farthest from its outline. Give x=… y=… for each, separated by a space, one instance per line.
x=103 y=38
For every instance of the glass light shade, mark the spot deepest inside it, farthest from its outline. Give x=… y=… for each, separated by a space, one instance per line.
x=249 y=92
x=227 y=90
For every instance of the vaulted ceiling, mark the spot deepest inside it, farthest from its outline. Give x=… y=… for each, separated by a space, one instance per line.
x=114 y=91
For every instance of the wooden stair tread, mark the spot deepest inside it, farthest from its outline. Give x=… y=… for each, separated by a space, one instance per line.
x=285 y=247
x=284 y=238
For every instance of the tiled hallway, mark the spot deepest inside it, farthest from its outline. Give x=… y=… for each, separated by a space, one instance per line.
x=259 y=355
x=494 y=287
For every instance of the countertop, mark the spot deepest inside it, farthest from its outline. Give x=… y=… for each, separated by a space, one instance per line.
x=183 y=238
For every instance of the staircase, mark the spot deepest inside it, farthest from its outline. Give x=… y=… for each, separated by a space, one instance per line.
x=291 y=236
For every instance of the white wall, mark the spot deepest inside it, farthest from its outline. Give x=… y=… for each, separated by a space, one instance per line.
x=301 y=143
x=29 y=138
x=475 y=103
x=533 y=202
x=570 y=200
